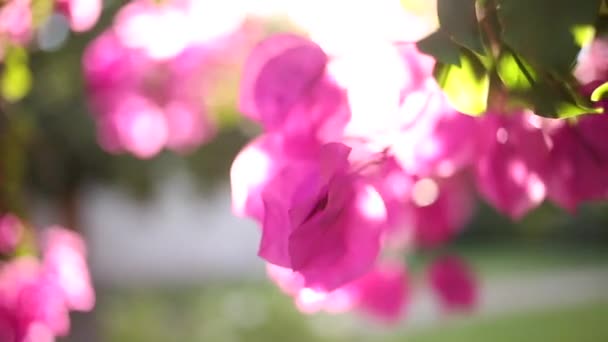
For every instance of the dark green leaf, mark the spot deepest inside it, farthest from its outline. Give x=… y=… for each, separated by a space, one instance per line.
x=441 y=47
x=555 y=99
x=543 y=31
x=458 y=19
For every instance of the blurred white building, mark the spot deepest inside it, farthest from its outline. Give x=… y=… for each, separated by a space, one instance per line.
x=177 y=237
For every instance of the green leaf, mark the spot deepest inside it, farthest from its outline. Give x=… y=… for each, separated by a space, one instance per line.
x=16 y=79
x=466 y=86
x=600 y=93
x=440 y=46
x=458 y=19
x=543 y=31
x=515 y=74
x=551 y=98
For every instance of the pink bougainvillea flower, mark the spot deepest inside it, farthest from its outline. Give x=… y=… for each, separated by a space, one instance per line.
x=150 y=78
x=138 y=125
x=29 y=305
x=282 y=58
x=382 y=293
x=579 y=163
x=321 y=220
x=163 y=30
x=65 y=263
x=431 y=138
x=35 y=298
x=395 y=187
x=440 y=208
x=16 y=21
x=376 y=80
x=423 y=210
x=591 y=130
x=435 y=140
x=82 y=14
x=10 y=233
x=453 y=283
x=143 y=106
x=107 y=65
x=285 y=87
x=255 y=165
x=592 y=64
x=411 y=114
x=511 y=173
x=158 y=30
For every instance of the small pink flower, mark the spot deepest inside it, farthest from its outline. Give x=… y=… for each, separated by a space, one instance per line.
x=143 y=106
x=65 y=263
x=10 y=233
x=16 y=21
x=382 y=293
x=30 y=305
x=440 y=209
x=454 y=283
x=438 y=140
x=158 y=30
x=579 y=163
x=511 y=173
x=592 y=64
x=35 y=298
x=139 y=125
x=82 y=14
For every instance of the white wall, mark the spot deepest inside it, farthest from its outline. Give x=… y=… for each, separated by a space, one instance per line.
x=177 y=237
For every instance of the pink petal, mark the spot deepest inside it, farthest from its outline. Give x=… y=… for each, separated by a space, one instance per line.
x=511 y=174
x=65 y=260
x=384 y=292
x=10 y=233
x=278 y=72
x=453 y=283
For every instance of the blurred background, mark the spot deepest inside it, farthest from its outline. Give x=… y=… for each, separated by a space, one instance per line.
x=171 y=263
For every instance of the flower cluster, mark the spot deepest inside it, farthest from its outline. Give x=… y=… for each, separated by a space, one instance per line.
x=37 y=295
x=362 y=155
x=148 y=74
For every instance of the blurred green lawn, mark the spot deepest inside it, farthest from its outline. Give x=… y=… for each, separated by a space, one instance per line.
x=252 y=311
x=239 y=316
x=584 y=323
